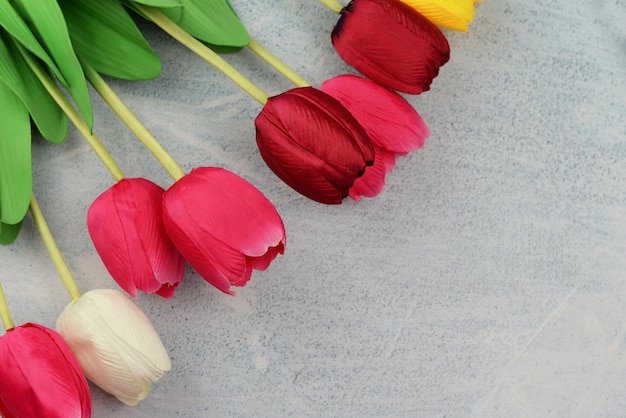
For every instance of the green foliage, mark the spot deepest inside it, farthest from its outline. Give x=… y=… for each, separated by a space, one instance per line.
x=15 y=157
x=105 y=36
x=8 y=232
x=40 y=27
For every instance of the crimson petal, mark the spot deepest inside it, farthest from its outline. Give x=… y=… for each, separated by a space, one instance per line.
x=313 y=143
x=391 y=43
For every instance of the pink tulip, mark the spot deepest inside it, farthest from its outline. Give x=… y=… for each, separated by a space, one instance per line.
x=223 y=226
x=126 y=226
x=392 y=124
x=39 y=376
x=312 y=143
x=390 y=43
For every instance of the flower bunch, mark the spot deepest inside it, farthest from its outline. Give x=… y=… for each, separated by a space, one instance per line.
x=307 y=137
x=328 y=143
x=114 y=342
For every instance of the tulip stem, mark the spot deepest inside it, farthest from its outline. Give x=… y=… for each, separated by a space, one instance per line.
x=124 y=113
x=333 y=5
x=5 y=314
x=202 y=51
x=73 y=115
x=277 y=64
x=53 y=249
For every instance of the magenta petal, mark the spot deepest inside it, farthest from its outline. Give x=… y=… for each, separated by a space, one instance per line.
x=373 y=181
x=221 y=224
x=126 y=226
x=40 y=377
x=390 y=121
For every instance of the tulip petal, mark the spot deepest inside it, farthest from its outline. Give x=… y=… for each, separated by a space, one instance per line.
x=388 y=118
x=126 y=227
x=301 y=169
x=235 y=211
x=115 y=343
x=451 y=14
x=217 y=263
x=372 y=182
x=40 y=376
x=391 y=43
x=220 y=223
x=311 y=141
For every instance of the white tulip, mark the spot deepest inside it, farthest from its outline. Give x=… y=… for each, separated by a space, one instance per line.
x=115 y=343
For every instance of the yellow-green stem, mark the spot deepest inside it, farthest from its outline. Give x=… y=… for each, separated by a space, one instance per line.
x=202 y=51
x=277 y=64
x=124 y=113
x=5 y=314
x=333 y=5
x=74 y=116
x=53 y=250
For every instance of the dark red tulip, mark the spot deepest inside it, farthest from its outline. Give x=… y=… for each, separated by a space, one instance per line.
x=40 y=377
x=390 y=43
x=313 y=143
x=390 y=121
x=126 y=226
x=223 y=226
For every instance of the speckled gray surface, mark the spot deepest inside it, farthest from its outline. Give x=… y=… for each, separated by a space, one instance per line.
x=488 y=279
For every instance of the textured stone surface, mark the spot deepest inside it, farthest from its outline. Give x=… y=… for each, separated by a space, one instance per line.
x=488 y=279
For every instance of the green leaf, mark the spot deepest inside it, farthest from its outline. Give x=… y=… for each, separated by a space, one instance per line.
x=13 y=23
x=8 y=232
x=160 y=3
x=105 y=36
x=47 y=115
x=175 y=10
x=15 y=157
x=47 y=23
x=211 y=21
x=221 y=49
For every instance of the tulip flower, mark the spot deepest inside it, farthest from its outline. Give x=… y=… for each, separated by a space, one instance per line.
x=115 y=343
x=451 y=14
x=40 y=377
x=126 y=226
x=392 y=124
x=390 y=43
x=223 y=226
x=310 y=141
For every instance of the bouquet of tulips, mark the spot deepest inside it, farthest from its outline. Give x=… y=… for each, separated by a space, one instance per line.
x=327 y=143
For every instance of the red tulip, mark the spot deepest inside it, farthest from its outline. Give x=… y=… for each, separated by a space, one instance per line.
x=223 y=226
x=392 y=124
x=313 y=143
x=391 y=43
x=126 y=226
x=40 y=377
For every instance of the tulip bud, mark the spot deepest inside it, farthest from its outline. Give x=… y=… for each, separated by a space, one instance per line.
x=451 y=14
x=390 y=43
x=223 y=226
x=40 y=377
x=115 y=343
x=126 y=226
x=392 y=124
x=313 y=143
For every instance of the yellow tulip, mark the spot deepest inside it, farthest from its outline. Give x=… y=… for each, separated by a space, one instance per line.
x=451 y=14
